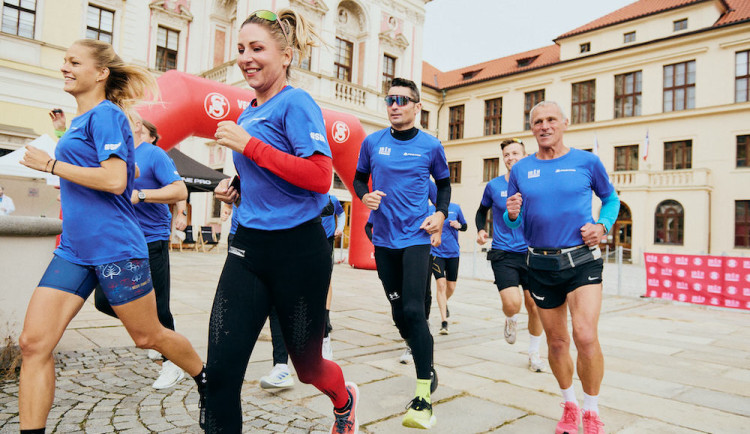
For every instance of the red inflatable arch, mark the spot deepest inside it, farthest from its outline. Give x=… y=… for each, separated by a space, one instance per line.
x=193 y=106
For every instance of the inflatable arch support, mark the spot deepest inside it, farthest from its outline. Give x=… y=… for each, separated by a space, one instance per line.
x=193 y=106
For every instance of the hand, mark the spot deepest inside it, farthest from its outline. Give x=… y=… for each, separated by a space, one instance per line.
x=455 y=224
x=372 y=199
x=180 y=221
x=338 y=233
x=36 y=159
x=58 y=119
x=436 y=239
x=481 y=237
x=232 y=136
x=134 y=197
x=433 y=223
x=226 y=211
x=514 y=206
x=592 y=234
x=225 y=192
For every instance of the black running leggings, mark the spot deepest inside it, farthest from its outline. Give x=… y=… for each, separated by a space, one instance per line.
x=289 y=269
x=405 y=273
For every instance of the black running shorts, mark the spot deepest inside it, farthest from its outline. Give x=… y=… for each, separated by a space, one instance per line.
x=445 y=268
x=550 y=288
x=510 y=269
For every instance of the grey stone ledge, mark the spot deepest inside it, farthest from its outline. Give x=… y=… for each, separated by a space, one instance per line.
x=19 y=226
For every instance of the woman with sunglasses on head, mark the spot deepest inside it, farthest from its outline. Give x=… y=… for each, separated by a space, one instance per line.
x=101 y=239
x=284 y=164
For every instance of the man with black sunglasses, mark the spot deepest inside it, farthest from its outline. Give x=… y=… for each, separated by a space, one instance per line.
x=401 y=159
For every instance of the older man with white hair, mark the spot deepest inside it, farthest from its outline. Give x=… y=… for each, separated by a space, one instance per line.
x=6 y=203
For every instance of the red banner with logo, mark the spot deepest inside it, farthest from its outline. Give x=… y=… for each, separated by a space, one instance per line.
x=700 y=279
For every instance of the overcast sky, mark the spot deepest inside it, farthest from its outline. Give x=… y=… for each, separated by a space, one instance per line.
x=460 y=33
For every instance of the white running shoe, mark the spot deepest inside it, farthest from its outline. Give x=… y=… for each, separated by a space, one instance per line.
x=154 y=355
x=279 y=378
x=169 y=375
x=536 y=364
x=510 y=330
x=406 y=357
x=327 y=349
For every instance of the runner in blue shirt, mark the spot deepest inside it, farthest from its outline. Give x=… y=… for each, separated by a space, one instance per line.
x=401 y=159
x=101 y=240
x=550 y=192
x=445 y=258
x=284 y=163
x=508 y=255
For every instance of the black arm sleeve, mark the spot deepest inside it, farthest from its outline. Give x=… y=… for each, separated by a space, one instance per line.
x=463 y=227
x=368 y=231
x=481 y=217
x=443 y=195
x=360 y=184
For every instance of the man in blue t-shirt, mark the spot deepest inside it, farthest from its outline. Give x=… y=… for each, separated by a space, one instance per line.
x=401 y=160
x=508 y=256
x=551 y=193
x=445 y=258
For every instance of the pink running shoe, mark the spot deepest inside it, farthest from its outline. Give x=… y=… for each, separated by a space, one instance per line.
x=592 y=424
x=570 y=419
x=346 y=423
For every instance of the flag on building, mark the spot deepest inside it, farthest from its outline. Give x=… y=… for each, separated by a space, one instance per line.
x=596 y=145
x=645 y=147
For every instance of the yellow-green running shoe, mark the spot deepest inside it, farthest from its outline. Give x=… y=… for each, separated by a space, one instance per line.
x=419 y=415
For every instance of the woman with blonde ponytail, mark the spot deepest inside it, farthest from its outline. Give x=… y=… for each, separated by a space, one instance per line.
x=284 y=164
x=102 y=241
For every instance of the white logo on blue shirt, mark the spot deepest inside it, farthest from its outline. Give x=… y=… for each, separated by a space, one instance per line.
x=504 y=193
x=534 y=173
x=111 y=146
x=409 y=154
x=565 y=170
x=317 y=136
x=384 y=150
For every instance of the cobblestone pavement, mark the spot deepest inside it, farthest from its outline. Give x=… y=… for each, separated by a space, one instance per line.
x=671 y=368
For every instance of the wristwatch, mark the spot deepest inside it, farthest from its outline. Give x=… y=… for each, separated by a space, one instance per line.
x=141 y=196
x=184 y=212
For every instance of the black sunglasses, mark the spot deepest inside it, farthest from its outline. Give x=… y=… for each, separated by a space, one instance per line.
x=400 y=100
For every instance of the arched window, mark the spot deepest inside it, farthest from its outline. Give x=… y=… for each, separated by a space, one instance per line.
x=669 y=223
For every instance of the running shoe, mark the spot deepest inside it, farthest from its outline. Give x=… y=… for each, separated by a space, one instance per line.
x=419 y=414
x=169 y=375
x=406 y=357
x=444 y=328
x=279 y=378
x=346 y=422
x=536 y=364
x=154 y=355
x=327 y=349
x=433 y=380
x=570 y=419
x=592 y=424
x=510 y=330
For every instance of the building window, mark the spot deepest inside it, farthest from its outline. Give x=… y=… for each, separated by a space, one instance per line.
x=389 y=71
x=680 y=25
x=628 y=37
x=455 y=171
x=530 y=100
x=166 y=48
x=493 y=114
x=742 y=76
x=337 y=182
x=743 y=151
x=628 y=94
x=491 y=169
x=742 y=223
x=19 y=17
x=678 y=155
x=343 y=61
x=424 y=119
x=99 y=24
x=456 y=122
x=585 y=47
x=679 y=86
x=626 y=158
x=584 y=99
x=669 y=225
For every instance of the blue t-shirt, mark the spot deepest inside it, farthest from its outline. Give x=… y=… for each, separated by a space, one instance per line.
x=449 y=247
x=292 y=122
x=233 y=228
x=329 y=222
x=557 y=196
x=401 y=169
x=503 y=238
x=98 y=227
x=157 y=171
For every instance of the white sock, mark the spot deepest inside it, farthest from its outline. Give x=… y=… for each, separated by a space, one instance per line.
x=534 y=342
x=512 y=318
x=569 y=395
x=591 y=403
x=282 y=366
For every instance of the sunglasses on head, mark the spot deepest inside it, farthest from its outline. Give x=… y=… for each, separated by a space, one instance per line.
x=400 y=100
x=272 y=17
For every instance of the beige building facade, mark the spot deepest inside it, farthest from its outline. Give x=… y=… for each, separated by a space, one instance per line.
x=670 y=83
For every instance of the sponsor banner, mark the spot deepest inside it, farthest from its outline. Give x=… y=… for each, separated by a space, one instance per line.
x=700 y=279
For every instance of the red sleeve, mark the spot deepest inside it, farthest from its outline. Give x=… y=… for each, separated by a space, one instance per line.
x=312 y=173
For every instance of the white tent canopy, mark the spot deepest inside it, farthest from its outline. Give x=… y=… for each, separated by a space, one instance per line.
x=10 y=164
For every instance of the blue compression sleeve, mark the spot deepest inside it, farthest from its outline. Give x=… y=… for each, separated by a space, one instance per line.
x=609 y=211
x=513 y=224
